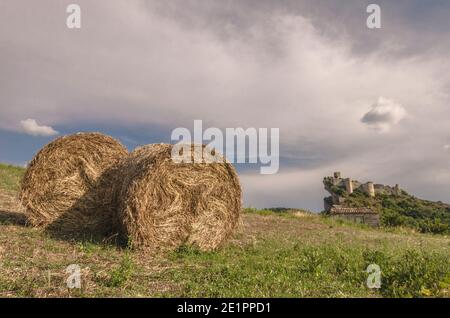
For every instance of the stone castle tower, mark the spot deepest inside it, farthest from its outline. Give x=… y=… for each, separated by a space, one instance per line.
x=340 y=188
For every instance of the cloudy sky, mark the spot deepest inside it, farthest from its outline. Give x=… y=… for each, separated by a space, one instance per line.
x=371 y=103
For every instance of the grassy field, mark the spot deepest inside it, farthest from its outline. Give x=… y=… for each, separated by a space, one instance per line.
x=10 y=177
x=288 y=254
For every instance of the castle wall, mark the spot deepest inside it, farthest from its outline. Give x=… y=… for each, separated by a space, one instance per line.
x=372 y=219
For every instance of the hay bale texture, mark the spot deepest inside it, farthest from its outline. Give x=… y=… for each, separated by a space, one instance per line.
x=69 y=186
x=164 y=204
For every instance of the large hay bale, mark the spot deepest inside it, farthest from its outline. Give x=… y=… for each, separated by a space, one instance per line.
x=164 y=204
x=69 y=186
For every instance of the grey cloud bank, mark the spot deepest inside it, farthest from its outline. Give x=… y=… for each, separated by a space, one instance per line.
x=313 y=70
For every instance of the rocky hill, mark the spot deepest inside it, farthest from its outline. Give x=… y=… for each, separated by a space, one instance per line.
x=395 y=206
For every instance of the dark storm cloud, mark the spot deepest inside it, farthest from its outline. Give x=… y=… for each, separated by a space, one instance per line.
x=403 y=21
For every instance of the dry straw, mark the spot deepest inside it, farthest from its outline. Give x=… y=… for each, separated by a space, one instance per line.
x=164 y=204
x=69 y=186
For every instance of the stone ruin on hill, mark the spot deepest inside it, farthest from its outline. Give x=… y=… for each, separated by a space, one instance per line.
x=335 y=205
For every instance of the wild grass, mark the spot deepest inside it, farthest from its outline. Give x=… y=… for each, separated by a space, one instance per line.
x=10 y=177
x=271 y=269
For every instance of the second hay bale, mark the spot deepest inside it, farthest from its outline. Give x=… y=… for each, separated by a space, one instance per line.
x=164 y=204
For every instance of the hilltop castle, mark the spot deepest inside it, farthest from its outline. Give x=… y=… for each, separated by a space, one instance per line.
x=340 y=188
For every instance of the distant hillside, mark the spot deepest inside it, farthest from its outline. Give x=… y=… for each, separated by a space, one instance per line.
x=399 y=209
x=406 y=210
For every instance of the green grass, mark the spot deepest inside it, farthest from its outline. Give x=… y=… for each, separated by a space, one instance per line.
x=289 y=213
x=274 y=253
x=10 y=177
x=271 y=269
x=267 y=212
x=121 y=274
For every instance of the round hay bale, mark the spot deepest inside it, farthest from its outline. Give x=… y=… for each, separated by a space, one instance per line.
x=164 y=204
x=69 y=186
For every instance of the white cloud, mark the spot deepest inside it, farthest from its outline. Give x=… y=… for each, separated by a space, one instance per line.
x=31 y=127
x=384 y=114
